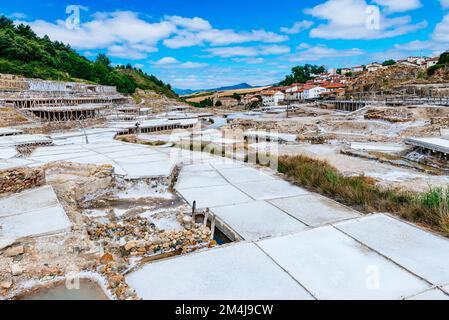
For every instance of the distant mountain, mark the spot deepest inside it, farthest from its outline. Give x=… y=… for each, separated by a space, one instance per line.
x=184 y=92
x=235 y=87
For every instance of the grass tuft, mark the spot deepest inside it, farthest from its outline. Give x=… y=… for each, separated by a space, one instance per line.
x=362 y=193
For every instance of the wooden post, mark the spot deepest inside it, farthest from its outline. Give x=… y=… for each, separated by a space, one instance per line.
x=212 y=227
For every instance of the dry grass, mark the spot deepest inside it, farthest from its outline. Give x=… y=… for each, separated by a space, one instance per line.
x=198 y=97
x=430 y=209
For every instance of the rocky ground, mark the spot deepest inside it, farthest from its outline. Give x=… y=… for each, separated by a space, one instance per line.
x=11 y=117
x=117 y=225
x=371 y=124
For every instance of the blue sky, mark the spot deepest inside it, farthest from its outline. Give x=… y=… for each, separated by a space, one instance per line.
x=204 y=44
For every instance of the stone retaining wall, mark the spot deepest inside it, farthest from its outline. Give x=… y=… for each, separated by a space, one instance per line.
x=20 y=179
x=440 y=121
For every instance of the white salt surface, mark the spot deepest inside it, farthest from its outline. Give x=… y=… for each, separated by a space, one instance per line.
x=222 y=273
x=434 y=294
x=331 y=265
x=314 y=210
x=270 y=189
x=416 y=250
x=32 y=213
x=258 y=220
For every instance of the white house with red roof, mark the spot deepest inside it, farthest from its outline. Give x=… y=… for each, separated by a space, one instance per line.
x=432 y=61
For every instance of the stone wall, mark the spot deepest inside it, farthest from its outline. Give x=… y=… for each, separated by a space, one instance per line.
x=440 y=121
x=12 y=82
x=20 y=179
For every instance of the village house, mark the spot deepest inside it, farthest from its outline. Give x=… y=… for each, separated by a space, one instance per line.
x=407 y=63
x=333 y=90
x=372 y=67
x=358 y=69
x=345 y=71
x=226 y=102
x=272 y=97
x=249 y=99
x=291 y=91
x=420 y=61
x=295 y=95
x=312 y=92
x=431 y=62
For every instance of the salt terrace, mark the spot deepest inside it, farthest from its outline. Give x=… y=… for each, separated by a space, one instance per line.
x=125 y=203
x=289 y=242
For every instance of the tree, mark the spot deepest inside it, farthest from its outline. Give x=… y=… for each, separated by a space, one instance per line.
x=301 y=74
x=444 y=58
x=24 y=53
x=6 y=23
x=389 y=63
x=103 y=60
x=253 y=105
x=26 y=31
x=237 y=96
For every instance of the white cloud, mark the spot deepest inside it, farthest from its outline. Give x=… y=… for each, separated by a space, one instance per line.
x=118 y=30
x=218 y=37
x=356 y=20
x=250 y=60
x=183 y=39
x=194 y=24
x=399 y=5
x=444 y=3
x=170 y=62
x=441 y=32
x=166 y=61
x=18 y=15
x=437 y=43
x=214 y=77
x=227 y=52
x=322 y=52
x=192 y=65
x=298 y=27
x=419 y=46
x=108 y=30
x=132 y=52
x=303 y=46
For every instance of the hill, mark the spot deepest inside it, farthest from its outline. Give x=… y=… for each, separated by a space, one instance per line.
x=184 y=92
x=235 y=87
x=239 y=86
x=23 y=53
x=387 y=78
x=201 y=96
x=147 y=82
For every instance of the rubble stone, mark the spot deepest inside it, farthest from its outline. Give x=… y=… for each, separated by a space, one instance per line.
x=20 y=179
x=106 y=258
x=14 y=251
x=6 y=284
x=16 y=270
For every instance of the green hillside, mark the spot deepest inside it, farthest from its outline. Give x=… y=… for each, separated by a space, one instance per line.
x=147 y=82
x=22 y=52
